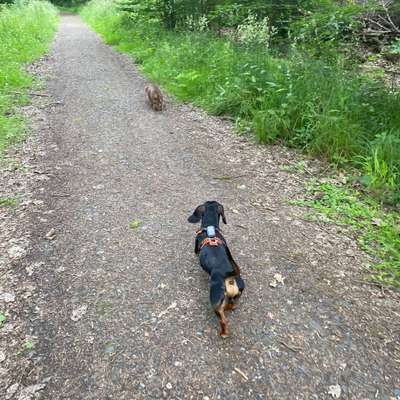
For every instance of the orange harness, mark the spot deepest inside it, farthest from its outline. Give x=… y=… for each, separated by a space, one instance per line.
x=211 y=242
x=214 y=242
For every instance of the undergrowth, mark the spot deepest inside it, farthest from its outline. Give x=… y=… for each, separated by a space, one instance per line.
x=377 y=231
x=70 y=9
x=26 y=29
x=316 y=104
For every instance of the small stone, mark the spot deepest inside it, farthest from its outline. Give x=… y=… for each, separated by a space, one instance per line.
x=109 y=348
x=78 y=313
x=279 y=278
x=7 y=297
x=178 y=364
x=335 y=391
x=12 y=390
x=28 y=392
x=15 y=252
x=168 y=386
x=51 y=234
x=376 y=221
x=2 y=356
x=350 y=253
x=29 y=270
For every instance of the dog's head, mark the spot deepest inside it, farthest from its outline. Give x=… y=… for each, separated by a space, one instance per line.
x=208 y=213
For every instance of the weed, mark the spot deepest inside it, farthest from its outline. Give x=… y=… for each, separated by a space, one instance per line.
x=28 y=345
x=134 y=224
x=377 y=230
x=8 y=202
x=3 y=319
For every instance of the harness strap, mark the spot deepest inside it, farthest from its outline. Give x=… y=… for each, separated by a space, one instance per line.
x=214 y=242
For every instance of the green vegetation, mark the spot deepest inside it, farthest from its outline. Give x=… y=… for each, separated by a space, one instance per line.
x=8 y=202
x=286 y=79
x=26 y=28
x=28 y=345
x=70 y=9
x=134 y=224
x=378 y=232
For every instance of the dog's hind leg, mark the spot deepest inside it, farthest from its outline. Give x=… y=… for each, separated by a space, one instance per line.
x=218 y=301
x=222 y=321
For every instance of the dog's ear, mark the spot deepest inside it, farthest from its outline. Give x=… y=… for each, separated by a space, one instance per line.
x=197 y=214
x=221 y=212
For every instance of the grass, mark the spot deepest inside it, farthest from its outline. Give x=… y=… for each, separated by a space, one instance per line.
x=320 y=106
x=8 y=202
x=3 y=319
x=377 y=231
x=26 y=28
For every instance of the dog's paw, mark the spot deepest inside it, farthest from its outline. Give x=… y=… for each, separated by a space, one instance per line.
x=224 y=335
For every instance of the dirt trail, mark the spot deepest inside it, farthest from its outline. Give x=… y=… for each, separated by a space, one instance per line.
x=142 y=327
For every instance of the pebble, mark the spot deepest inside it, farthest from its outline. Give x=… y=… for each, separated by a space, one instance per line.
x=12 y=390
x=7 y=297
x=15 y=252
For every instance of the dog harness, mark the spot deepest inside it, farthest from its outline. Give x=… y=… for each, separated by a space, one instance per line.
x=214 y=242
x=211 y=239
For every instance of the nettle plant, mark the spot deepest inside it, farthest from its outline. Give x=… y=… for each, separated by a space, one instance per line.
x=255 y=32
x=196 y=24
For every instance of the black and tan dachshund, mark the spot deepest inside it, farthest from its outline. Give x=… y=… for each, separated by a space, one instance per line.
x=226 y=285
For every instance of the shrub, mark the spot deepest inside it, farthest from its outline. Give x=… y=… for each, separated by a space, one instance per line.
x=255 y=32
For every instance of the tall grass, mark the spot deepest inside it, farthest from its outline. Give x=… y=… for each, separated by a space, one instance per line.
x=319 y=106
x=26 y=28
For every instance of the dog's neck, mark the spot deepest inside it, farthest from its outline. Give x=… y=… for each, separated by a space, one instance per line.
x=210 y=220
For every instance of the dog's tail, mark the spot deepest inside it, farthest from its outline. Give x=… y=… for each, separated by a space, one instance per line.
x=231 y=287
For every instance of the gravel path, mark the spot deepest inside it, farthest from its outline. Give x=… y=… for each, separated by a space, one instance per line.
x=117 y=312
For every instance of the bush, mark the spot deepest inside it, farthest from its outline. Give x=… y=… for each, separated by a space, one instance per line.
x=328 y=27
x=255 y=32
